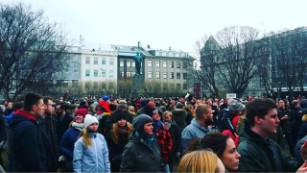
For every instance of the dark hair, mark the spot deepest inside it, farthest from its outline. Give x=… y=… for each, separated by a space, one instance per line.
x=46 y=98
x=18 y=105
x=258 y=107
x=217 y=142
x=30 y=100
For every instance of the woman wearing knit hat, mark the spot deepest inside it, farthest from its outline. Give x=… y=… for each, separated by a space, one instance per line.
x=70 y=137
x=142 y=153
x=91 y=151
x=117 y=138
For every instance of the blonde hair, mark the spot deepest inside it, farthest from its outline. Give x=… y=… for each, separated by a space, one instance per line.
x=115 y=131
x=199 y=161
x=86 y=138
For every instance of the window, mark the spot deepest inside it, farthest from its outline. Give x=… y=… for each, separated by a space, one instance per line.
x=178 y=76
x=157 y=63
x=128 y=74
x=133 y=64
x=160 y=53
x=178 y=65
x=95 y=60
x=128 y=63
x=103 y=62
x=185 y=76
x=121 y=63
x=87 y=72
x=87 y=60
x=178 y=86
x=149 y=75
x=103 y=73
x=122 y=74
x=185 y=65
x=75 y=66
x=164 y=75
x=171 y=75
x=157 y=75
x=150 y=63
x=185 y=86
x=111 y=62
x=166 y=53
x=111 y=73
x=95 y=73
x=171 y=64
x=164 y=64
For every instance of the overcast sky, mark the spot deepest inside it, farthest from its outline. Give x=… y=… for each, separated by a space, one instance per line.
x=164 y=23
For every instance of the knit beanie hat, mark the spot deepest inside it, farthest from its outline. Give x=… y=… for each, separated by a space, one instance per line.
x=81 y=111
x=105 y=98
x=236 y=106
x=139 y=121
x=89 y=119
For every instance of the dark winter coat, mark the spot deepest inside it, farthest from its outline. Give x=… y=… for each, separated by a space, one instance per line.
x=139 y=157
x=25 y=144
x=179 y=116
x=63 y=125
x=50 y=145
x=260 y=155
x=116 y=150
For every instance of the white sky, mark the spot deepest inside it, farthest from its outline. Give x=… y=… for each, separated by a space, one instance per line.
x=164 y=23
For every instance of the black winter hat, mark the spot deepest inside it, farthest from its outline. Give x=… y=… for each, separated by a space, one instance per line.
x=139 y=121
x=121 y=115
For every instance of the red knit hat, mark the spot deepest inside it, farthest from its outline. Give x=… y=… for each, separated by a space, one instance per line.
x=81 y=111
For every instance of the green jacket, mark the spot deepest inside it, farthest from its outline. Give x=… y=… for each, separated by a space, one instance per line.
x=260 y=155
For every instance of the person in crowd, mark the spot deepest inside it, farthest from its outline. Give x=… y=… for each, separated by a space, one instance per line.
x=179 y=116
x=163 y=137
x=131 y=111
x=24 y=142
x=223 y=146
x=198 y=127
x=117 y=138
x=303 y=129
x=190 y=116
x=258 y=152
x=63 y=119
x=142 y=153
x=285 y=119
x=200 y=161
x=70 y=137
x=91 y=150
x=231 y=118
x=47 y=128
x=176 y=138
x=296 y=119
x=3 y=139
x=9 y=108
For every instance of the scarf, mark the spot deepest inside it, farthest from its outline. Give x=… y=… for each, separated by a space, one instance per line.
x=78 y=126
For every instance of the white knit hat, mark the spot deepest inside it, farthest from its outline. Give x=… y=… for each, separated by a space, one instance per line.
x=89 y=119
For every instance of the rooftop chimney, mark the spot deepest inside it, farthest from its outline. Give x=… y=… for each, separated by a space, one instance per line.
x=148 y=46
x=170 y=48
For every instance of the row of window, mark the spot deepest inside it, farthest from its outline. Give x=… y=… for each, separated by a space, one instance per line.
x=103 y=61
x=164 y=75
x=151 y=63
x=96 y=74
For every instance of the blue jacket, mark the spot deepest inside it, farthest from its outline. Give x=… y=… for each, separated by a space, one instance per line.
x=94 y=158
x=68 y=141
x=191 y=132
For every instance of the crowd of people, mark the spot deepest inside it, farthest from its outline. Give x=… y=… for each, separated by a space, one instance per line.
x=103 y=134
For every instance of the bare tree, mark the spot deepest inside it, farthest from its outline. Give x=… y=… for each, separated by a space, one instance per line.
x=289 y=52
x=30 y=51
x=238 y=57
x=209 y=65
